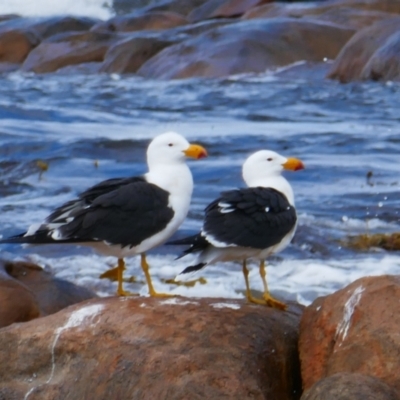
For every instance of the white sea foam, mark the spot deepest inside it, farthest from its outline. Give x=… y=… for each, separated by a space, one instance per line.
x=301 y=280
x=92 y=8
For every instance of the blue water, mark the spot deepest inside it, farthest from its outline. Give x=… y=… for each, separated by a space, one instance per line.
x=90 y=128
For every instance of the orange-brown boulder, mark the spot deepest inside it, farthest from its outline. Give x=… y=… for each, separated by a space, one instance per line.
x=385 y=62
x=18 y=303
x=52 y=294
x=156 y=20
x=348 y=386
x=355 y=329
x=69 y=49
x=16 y=43
x=355 y=55
x=145 y=348
x=223 y=9
x=248 y=46
x=130 y=54
x=18 y=36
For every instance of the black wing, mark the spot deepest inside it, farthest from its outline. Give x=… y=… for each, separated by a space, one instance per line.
x=124 y=212
x=87 y=197
x=252 y=217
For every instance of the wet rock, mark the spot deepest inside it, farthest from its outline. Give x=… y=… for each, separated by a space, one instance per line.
x=347 y=386
x=88 y=68
x=156 y=20
x=183 y=7
x=249 y=46
x=385 y=62
x=356 y=54
x=199 y=27
x=69 y=49
x=146 y=348
x=353 y=18
x=223 y=9
x=46 y=27
x=129 y=55
x=52 y=294
x=16 y=43
x=335 y=9
x=18 y=303
x=353 y=330
x=6 y=67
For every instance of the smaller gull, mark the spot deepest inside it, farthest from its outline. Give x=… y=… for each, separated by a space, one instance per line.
x=249 y=223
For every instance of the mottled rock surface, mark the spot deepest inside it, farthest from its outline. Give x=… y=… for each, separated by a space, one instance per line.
x=143 y=348
x=16 y=41
x=347 y=386
x=385 y=62
x=251 y=46
x=355 y=329
x=130 y=54
x=156 y=20
x=223 y=9
x=355 y=55
x=69 y=49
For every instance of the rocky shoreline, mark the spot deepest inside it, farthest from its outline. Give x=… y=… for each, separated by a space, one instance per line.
x=343 y=346
x=213 y=38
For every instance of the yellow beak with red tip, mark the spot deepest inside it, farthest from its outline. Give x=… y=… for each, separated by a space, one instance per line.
x=293 y=164
x=195 y=151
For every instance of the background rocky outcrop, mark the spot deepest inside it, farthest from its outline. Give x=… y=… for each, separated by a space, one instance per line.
x=175 y=39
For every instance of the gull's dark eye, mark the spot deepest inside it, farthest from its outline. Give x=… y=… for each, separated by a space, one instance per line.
x=269 y=159
x=170 y=144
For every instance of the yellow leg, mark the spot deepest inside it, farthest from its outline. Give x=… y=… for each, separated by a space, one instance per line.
x=120 y=278
x=145 y=268
x=249 y=296
x=267 y=296
x=112 y=275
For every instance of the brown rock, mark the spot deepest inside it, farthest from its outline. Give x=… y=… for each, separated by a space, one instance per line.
x=16 y=43
x=248 y=46
x=183 y=7
x=156 y=20
x=353 y=330
x=18 y=304
x=352 y=17
x=223 y=9
x=52 y=294
x=199 y=27
x=129 y=55
x=346 y=386
x=354 y=56
x=385 y=62
x=329 y=7
x=46 y=27
x=144 y=348
x=69 y=49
